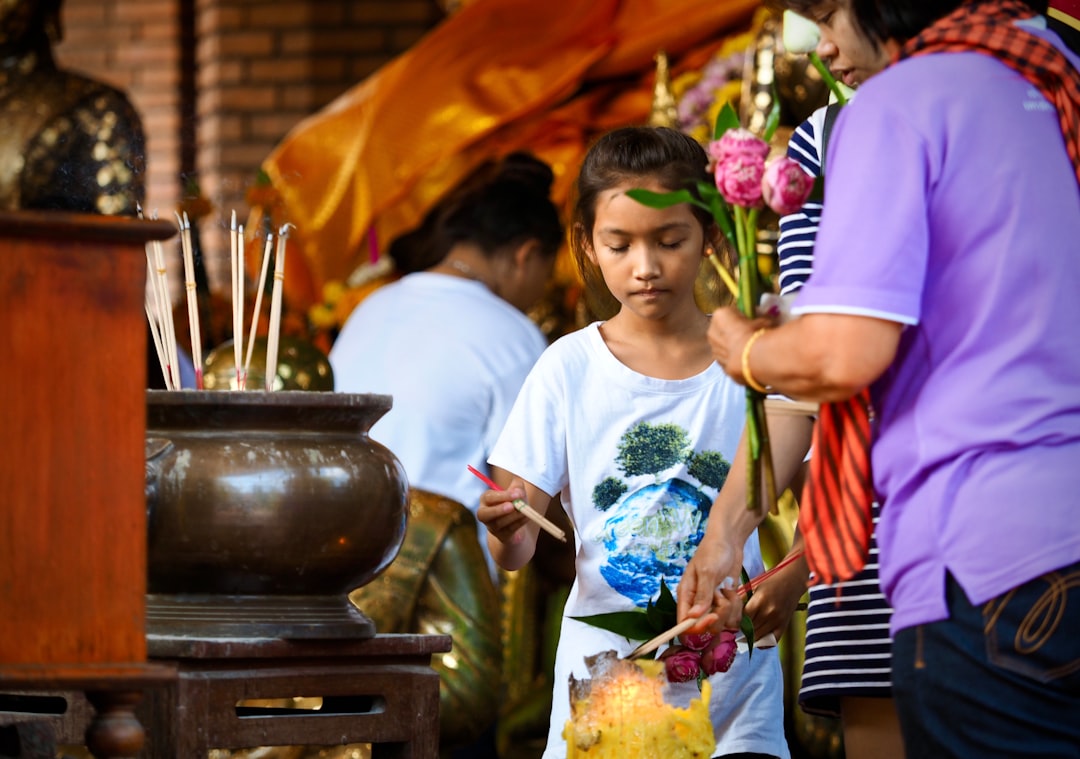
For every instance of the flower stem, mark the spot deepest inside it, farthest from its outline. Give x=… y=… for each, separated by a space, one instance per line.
x=753 y=460
x=828 y=78
x=756 y=431
x=747 y=264
x=767 y=472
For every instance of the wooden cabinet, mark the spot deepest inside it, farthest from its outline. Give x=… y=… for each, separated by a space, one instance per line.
x=72 y=472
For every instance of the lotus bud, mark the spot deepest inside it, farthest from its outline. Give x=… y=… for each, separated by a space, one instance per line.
x=801 y=35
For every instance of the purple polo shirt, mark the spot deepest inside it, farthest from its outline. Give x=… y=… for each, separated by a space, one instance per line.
x=953 y=208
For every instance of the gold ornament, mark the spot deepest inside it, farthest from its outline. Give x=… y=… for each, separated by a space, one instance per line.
x=664 y=112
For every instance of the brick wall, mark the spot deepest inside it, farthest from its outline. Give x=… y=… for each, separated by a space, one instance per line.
x=219 y=83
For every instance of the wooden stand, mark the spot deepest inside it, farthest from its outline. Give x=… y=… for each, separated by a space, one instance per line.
x=72 y=470
x=381 y=691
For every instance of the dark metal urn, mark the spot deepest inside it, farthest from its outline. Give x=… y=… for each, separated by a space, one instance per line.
x=265 y=509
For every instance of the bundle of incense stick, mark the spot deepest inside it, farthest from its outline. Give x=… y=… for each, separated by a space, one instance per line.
x=158 y=306
x=546 y=524
x=192 y=296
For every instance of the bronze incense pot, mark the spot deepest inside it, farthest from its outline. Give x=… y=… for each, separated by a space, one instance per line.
x=264 y=511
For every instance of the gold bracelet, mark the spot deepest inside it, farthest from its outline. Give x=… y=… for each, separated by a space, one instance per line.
x=753 y=383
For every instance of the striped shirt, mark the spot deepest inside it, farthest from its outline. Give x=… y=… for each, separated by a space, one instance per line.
x=848 y=647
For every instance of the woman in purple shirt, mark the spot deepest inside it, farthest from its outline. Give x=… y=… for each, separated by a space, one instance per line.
x=945 y=278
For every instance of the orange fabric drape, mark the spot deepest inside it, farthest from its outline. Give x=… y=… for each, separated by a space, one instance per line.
x=497 y=76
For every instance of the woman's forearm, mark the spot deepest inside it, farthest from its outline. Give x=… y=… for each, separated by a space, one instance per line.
x=817 y=357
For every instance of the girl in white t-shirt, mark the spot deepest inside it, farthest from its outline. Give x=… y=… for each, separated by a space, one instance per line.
x=631 y=423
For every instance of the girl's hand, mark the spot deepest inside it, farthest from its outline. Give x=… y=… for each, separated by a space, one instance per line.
x=708 y=586
x=772 y=604
x=497 y=512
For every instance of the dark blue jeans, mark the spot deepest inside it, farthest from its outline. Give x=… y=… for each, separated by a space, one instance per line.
x=1001 y=679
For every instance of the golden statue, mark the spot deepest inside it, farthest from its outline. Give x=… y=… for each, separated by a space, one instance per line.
x=69 y=143
x=664 y=112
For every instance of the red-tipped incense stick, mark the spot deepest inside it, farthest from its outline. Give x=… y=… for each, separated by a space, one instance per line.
x=545 y=523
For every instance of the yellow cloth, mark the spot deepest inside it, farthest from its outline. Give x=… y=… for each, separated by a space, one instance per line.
x=497 y=76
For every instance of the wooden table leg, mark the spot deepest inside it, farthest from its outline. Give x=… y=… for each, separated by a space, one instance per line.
x=114 y=732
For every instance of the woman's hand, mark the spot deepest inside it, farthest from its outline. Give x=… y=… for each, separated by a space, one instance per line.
x=728 y=332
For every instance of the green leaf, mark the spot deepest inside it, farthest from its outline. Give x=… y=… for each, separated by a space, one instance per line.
x=664 y=199
x=719 y=210
x=773 y=120
x=666 y=601
x=633 y=625
x=663 y=612
x=725 y=120
x=658 y=621
x=747 y=628
x=817 y=194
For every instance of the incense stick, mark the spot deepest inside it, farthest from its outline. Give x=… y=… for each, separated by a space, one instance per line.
x=236 y=305
x=725 y=275
x=275 y=307
x=752 y=585
x=651 y=645
x=655 y=643
x=259 y=287
x=546 y=524
x=238 y=341
x=192 y=297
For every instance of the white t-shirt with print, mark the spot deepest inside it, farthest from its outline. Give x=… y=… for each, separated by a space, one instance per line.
x=637 y=462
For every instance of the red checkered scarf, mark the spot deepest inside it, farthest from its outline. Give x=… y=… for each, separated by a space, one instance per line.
x=987 y=27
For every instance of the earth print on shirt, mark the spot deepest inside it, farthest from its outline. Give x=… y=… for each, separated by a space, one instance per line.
x=652 y=531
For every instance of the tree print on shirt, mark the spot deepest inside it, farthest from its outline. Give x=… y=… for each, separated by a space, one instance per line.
x=651 y=531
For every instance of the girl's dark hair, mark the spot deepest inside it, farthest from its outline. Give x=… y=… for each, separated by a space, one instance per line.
x=674 y=160
x=881 y=20
x=501 y=204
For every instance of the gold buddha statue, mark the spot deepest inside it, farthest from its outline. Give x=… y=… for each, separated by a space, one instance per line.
x=69 y=143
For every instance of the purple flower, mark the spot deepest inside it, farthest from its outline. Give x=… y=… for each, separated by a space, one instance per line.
x=696 y=641
x=738 y=177
x=785 y=185
x=681 y=664
x=720 y=654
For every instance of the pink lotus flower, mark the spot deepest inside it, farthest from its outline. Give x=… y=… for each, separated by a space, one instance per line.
x=720 y=654
x=785 y=185
x=681 y=664
x=738 y=142
x=696 y=641
x=738 y=177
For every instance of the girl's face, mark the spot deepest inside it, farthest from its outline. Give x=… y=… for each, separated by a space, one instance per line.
x=649 y=257
x=851 y=57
